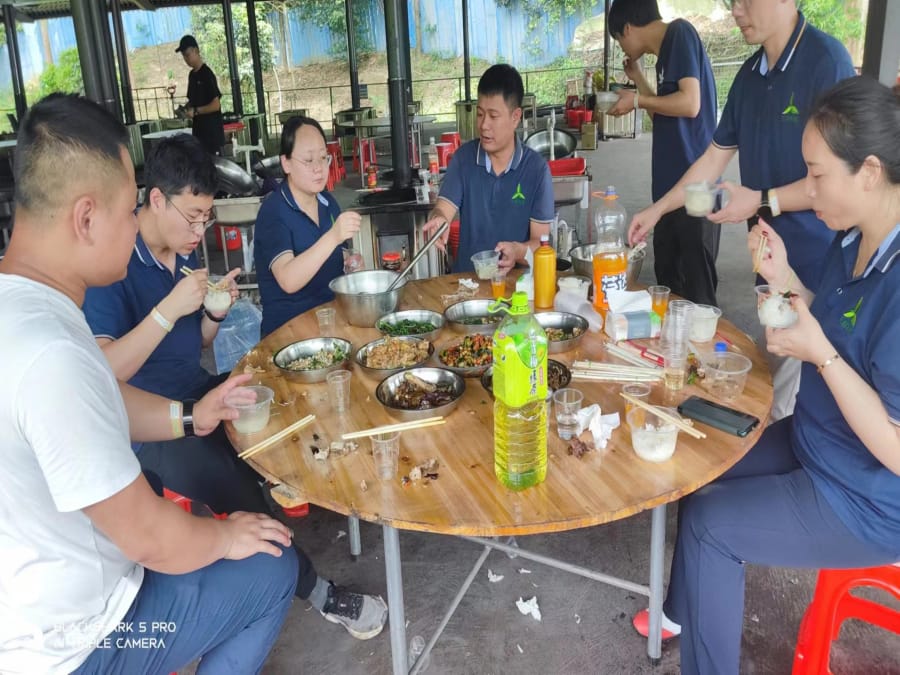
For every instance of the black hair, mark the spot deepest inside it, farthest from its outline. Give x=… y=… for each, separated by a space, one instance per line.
x=289 y=131
x=860 y=117
x=635 y=12
x=62 y=137
x=180 y=164
x=504 y=80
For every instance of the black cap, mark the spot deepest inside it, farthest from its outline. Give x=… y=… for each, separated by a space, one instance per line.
x=186 y=42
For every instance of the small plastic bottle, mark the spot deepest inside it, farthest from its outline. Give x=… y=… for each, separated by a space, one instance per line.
x=433 y=167
x=544 y=274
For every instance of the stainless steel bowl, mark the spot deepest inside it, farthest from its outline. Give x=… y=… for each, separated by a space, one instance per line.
x=565 y=321
x=555 y=369
x=362 y=296
x=421 y=315
x=387 y=389
x=470 y=310
x=473 y=371
x=583 y=263
x=304 y=348
x=363 y=352
x=564 y=143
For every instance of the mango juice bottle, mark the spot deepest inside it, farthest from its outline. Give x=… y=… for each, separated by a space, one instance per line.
x=520 y=393
x=610 y=265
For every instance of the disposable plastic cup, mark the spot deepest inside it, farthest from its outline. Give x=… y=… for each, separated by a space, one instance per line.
x=638 y=390
x=253 y=417
x=325 y=317
x=386 y=451
x=659 y=299
x=567 y=403
x=339 y=390
x=218 y=296
x=704 y=323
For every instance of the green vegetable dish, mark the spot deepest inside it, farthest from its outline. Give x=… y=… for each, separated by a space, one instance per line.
x=406 y=327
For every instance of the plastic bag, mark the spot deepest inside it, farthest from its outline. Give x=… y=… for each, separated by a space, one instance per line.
x=237 y=335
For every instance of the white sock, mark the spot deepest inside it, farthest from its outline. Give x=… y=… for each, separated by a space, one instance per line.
x=670 y=625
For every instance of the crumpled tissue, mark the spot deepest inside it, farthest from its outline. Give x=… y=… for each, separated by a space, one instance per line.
x=600 y=426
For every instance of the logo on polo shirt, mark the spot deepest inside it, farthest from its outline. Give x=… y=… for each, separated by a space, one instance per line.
x=518 y=194
x=791 y=110
x=848 y=319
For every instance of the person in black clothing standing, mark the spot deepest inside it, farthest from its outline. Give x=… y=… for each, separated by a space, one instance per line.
x=204 y=98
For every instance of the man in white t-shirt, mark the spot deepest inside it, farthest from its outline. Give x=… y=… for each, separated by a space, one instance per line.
x=98 y=573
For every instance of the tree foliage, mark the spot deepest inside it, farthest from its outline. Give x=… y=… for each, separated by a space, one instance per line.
x=836 y=17
x=63 y=76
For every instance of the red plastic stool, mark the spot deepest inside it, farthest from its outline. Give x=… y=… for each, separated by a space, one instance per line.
x=453 y=238
x=453 y=138
x=190 y=506
x=833 y=603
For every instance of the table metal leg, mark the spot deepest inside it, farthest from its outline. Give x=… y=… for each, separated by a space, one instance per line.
x=657 y=555
x=355 y=544
x=396 y=611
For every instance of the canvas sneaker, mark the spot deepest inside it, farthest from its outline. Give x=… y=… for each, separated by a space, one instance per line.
x=362 y=615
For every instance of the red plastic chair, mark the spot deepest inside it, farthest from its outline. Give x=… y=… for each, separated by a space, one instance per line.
x=833 y=603
x=337 y=160
x=368 y=154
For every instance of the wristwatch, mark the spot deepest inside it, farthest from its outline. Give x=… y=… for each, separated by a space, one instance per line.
x=768 y=205
x=187 y=417
x=213 y=317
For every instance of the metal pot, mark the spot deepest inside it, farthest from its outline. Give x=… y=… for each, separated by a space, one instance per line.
x=564 y=143
x=583 y=263
x=362 y=298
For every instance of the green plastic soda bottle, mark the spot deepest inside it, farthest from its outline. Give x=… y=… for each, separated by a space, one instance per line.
x=520 y=393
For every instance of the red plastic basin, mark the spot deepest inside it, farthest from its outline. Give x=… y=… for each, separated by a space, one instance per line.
x=567 y=167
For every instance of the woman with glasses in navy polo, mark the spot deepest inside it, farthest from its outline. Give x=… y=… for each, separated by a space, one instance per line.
x=821 y=488
x=300 y=230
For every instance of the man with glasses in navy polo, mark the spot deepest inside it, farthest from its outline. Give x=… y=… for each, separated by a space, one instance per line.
x=764 y=117
x=501 y=189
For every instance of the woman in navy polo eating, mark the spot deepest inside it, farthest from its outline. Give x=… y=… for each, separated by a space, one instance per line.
x=300 y=230
x=821 y=488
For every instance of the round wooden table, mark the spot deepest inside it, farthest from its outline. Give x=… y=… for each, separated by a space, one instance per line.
x=466 y=499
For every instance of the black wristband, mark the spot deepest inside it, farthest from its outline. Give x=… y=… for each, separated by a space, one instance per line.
x=765 y=209
x=187 y=417
x=211 y=317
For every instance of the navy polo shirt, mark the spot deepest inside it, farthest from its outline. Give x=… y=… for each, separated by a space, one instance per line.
x=679 y=141
x=495 y=207
x=861 y=318
x=764 y=117
x=282 y=228
x=173 y=369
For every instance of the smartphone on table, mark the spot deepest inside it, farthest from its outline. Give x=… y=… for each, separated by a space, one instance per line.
x=718 y=416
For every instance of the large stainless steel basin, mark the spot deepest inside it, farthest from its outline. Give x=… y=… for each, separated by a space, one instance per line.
x=564 y=143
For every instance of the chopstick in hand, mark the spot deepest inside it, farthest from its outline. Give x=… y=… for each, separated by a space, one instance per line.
x=760 y=252
x=187 y=271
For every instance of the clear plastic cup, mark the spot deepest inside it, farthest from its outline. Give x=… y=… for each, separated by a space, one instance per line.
x=659 y=299
x=704 y=323
x=725 y=375
x=774 y=309
x=253 y=417
x=638 y=390
x=386 y=451
x=566 y=404
x=486 y=263
x=325 y=317
x=339 y=390
x=218 y=296
x=353 y=260
x=675 y=363
x=676 y=328
x=653 y=438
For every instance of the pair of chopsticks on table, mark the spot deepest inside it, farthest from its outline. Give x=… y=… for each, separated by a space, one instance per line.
x=391 y=428
x=280 y=436
x=614 y=372
x=187 y=271
x=662 y=414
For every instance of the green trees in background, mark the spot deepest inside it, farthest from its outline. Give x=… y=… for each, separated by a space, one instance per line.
x=63 y=76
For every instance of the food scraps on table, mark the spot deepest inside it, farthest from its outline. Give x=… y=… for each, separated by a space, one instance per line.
x=426 y=471
x=467 y=289
x=578 y=448
x=471 y=352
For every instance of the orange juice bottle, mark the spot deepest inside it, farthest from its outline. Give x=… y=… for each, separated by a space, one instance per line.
x=544 y=274
x=610 y=267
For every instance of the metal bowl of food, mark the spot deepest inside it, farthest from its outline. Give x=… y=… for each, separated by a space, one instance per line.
x=363 y=297
x=470 y=356
x=583 y=262
x=564 y=330
x=420 y=392
x=389 y=355
x=421 y=323
x=473 y=316
x=311 y=360
x=558 y=376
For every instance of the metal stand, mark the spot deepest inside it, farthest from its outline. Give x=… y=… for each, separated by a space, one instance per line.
x=355 y=543
x=396 y=612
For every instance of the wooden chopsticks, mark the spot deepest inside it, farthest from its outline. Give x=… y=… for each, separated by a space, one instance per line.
x=760 y=252
x=662 y=414
x=281 y=435
x=390 y=428
x=187 y=271
x=614 y=372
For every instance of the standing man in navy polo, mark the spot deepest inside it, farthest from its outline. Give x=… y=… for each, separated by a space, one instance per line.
x=767 y=108
x=204 y=98
x=501 y=189
x=683 y=107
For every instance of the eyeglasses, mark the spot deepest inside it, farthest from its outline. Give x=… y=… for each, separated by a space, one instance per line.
x=196 y=226
x=313 y=164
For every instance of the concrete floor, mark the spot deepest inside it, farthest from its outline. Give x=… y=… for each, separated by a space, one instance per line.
x=586 y=626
